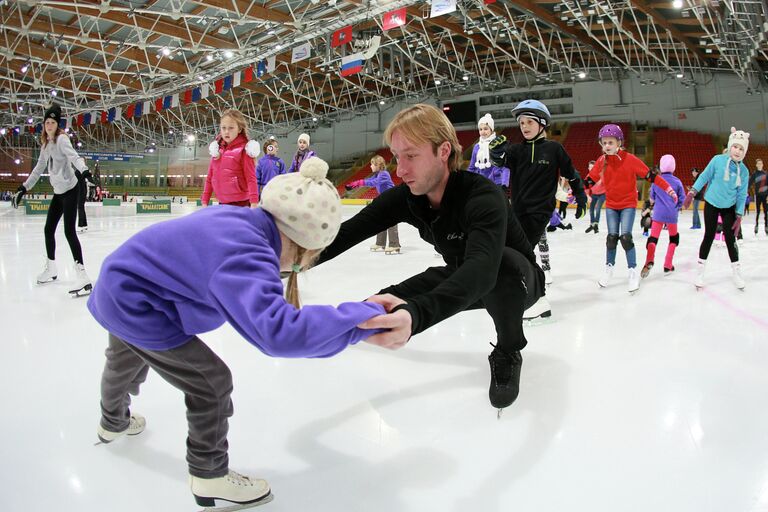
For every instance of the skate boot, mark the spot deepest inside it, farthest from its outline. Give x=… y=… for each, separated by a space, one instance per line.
x=646 y=269
x=232 y=491
x=590 y=228
x=82 y=229
x=82 y=284
x=756 y=226
x=377 y=248
x=668 y=271
x=538 y=313
x=547 y=277
x=700 y=267
x=49 y=272
x=603 y=281
x=135 y=427
x=633 y=283
x=505 y=377
x=596 y=230
x=568 y=226
x=737 y=279
x=392 y=250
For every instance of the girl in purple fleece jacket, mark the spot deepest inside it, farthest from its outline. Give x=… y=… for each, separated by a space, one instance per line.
x=383 y=182
x=480 y=162
x=665 y=212
x=177 y=279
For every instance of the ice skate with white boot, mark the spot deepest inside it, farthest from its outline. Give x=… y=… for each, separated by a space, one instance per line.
x=547 y=277
x=505 y=377
x=738 y=280
x=230 y=492
x=82 y=284
x=49 y=272
x=646 y=269
x=603 y=281
x=633 y=280
x=700 y=268
x=377 y=248
x=135 y=427
x=540 y=312
x=391 y=250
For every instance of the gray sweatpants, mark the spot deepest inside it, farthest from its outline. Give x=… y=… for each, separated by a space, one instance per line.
x=195 y=370
x=394 y=237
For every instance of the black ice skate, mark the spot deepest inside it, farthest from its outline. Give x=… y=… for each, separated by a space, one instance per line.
x=505 y=377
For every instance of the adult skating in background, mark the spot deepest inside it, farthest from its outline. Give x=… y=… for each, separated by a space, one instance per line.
x=535 y=166
x=480 y=162
x=226 y=265
x=759 y=180
x=64 y=168
x=698 y=198
x=231 y=173
x=489 y=263
x=645 y=217
x=665 y=213
x=302 y=152
x=383 y=182
x=597 y=196
x=619 y=171
x=270 y=165
x=726 y=178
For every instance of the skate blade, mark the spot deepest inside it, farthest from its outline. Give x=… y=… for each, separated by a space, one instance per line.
x=539 y=320
x=81 y=292
x=498 y=414
x=48 y=281
x=232 y=507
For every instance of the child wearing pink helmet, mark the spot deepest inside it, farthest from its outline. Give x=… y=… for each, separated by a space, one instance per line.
x=619 y=170
x=665 y=213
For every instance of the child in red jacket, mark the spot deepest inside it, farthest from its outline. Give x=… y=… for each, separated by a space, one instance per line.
x=619 y=170
x=232 y=172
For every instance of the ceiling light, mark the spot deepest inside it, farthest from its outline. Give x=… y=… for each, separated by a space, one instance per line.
x=437 y=81
x=209 y=57
x=582 y=75
x=465 y=78
x=271 y=33
x=17 y=161
x=229 y=54
x=3 y=131
x=190 y=138
x=279 y=47
x=166 y=51
x=382 y=102
x=54 y=93
x=24 y=68
x=30 y=120
x=314 y=119
x=679 y=74
x=677 y=4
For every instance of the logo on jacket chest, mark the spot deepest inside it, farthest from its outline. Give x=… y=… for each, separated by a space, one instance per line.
x=455 y=236
x=542 y=162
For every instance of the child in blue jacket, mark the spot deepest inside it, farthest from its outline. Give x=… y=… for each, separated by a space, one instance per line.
x=180 y=278
x=727 y=179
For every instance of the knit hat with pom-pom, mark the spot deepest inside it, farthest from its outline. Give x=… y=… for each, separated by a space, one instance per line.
x=305 y=205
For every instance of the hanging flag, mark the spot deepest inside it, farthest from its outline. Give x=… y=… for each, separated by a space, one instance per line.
x=441 y=7
x=80 y=119
x=147 y=107
x=218 y=85
x=196 y=94
x=118 y=112
x=86 y=119
x=248 y=74
x=167 y=102
x=300 y=53
x=158 y=104
x=227 y=83
x=488 y=2
x=271 y=63
x=236 y=79
x=204 y=91
x=175 y=100
x=351 y=64
x=341 y=37
x=111 y=114
x=188 y=96
x=104 y=117
x=138 y=109
x=261 y=68
x=129 y=111
x=394 y=19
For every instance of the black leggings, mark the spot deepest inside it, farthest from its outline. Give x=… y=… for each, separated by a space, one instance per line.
x=63 y=204
x=710 y=227
x=82 y=192
x=519 y=285
x=761 y=201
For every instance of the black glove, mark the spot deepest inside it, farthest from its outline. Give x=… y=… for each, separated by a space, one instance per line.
x=348 y=187
x=581 y=205
x=16 y=198
x=79 y=175
x=497 y=150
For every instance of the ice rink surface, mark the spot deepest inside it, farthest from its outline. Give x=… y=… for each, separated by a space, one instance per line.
x=648 y=402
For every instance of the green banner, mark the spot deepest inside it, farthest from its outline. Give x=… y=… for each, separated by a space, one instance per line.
x=36 y=206
x=111 y=202
x=154 y=206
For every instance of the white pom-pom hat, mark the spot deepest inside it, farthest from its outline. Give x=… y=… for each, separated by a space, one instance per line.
x=305 y=205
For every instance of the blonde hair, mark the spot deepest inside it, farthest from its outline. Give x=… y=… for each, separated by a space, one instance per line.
x=379 y=161
x=238 y=118
x=292 y=287
x=422 y=123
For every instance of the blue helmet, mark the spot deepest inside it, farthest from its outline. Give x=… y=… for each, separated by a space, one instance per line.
x=534 y=109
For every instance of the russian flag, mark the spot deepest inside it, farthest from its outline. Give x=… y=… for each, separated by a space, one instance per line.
x=167 y=102
x=196 y=94
x=352 y=64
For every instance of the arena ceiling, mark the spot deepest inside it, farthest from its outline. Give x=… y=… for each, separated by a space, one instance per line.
x=99 y=54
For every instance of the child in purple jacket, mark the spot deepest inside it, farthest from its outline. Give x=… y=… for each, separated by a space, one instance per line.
x=665 y=213
x=179 y=278
x=480 y=162
x=270 y=165
x=302 y=152
x=383 y=182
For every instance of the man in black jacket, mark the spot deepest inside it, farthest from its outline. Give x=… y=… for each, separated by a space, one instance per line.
x=489 y=262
